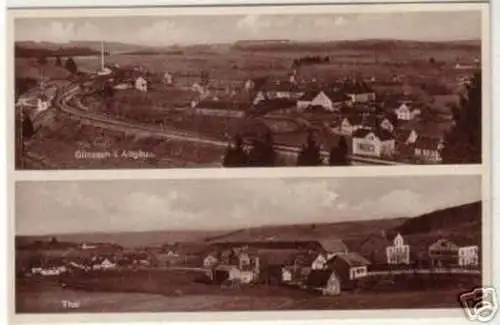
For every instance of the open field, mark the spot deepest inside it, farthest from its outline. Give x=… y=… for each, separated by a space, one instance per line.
x=155 y=291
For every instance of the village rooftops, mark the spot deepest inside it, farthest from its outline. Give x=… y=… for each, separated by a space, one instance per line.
x=352 y=259
x=356 y=88
x=382 y=134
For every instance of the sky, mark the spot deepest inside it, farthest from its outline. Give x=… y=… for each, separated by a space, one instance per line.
x=183 y=30
x=62 y=207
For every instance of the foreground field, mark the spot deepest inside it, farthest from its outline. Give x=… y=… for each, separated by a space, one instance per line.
x=167 y=290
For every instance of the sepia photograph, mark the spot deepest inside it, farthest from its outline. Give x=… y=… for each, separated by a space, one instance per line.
x=256 y=244
x=249 y=89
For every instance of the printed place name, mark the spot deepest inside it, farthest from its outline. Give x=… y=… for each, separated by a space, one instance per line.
x=116 y=154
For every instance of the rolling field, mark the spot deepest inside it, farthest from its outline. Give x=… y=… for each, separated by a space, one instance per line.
x=155 y=291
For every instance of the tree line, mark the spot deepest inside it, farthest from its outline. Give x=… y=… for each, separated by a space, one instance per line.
x=308 y=60
x=263 y=154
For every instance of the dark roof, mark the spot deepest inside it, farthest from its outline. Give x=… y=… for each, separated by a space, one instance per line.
x=318 y=278
x=393 y=118
x=354 y=119
x=384 y=135
x=361 y=133
x=425 y=142
x=443 y=245
x=309 y=96
x=280 y=86
x=355 y=87
x=353 y=259
x=333 y=245
x=337 y=96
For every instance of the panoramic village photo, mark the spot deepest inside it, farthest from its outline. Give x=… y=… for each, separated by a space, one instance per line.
x=392 y=242
x=255 y=90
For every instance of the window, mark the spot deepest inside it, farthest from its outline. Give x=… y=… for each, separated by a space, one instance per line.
x=366 y=147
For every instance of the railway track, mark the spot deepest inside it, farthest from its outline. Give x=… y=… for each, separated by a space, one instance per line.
x=67 y=100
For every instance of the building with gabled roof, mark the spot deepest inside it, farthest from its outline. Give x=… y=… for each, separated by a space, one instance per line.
x=375 y=143
x=428 y=149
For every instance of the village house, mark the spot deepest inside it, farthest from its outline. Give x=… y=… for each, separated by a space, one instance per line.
x=359 y=92
x=99 y=263
x=405 y=112
x=443 y=253
x=350 y=124
x=210 y=260
x=329 y=101
x=468 y=256
x=141 y=84
x=349 y=266
x=43 y=103
x=373 y=247
x=399 y=252
x=387 y=122
x=376 y=143
x=428 y=149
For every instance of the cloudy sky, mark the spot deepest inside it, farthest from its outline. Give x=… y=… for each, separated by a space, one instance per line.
x=431 y=26
x=56 y=207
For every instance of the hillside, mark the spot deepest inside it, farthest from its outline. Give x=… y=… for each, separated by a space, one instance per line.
x=464 y=216
x=359 y=45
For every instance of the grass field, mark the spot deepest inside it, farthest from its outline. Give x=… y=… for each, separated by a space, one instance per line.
x=155 y=291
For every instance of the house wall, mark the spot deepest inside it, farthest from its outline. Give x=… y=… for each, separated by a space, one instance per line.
x=366 y=147
x=428 y=155
x=362 y=98
x=302 y=105
x=358 y=272
x=468 y=256
x=322 y=100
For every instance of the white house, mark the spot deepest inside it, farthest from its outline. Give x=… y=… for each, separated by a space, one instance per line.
x=141 y=84
x=210 y=260
x=399 y=253
x=405 y=113
x=319 y=263
x=168 y=79
x=304 y=101
x=105 y=264
x=42 y=103
x=468 y=256
x=428 y=149
x=373 y=143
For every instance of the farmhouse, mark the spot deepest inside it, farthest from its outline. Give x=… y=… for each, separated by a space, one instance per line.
x=359 y=92
x=141 y=84
x=220 y=108
x=428 y=149
x=42 y=103
x=405 y=112
x=468 y=256
x=399 y=252
x=348 y=266
x=377 y=143
x=443 y=253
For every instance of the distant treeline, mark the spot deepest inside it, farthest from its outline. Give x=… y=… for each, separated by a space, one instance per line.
x=23 y=52
x=152 y=52
x=308 y=60
x=362 y=45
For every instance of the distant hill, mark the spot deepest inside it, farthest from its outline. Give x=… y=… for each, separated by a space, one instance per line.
x=469 y=215
x=77 y=48
x=459 y=221
x=362 y=45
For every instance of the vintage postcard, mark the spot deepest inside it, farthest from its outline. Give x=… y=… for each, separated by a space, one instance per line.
x=256 y=86
x=250 y=244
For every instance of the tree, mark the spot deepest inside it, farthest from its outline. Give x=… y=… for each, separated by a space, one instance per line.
x=462 y=144
x=42 y=59
x=28 y=128
x=338 y=154
x=58 y=62
x=70 y=65
x=262 y=153
x=235 y=155
x=310 y=154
